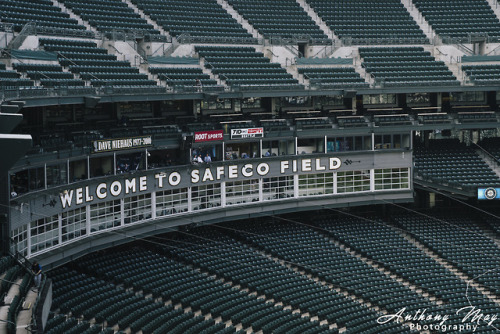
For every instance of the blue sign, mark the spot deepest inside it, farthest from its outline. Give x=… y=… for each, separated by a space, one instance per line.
x=488 y=193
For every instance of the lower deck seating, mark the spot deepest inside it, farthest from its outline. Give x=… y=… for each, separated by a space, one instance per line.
x=384 y=244
x=470 y=250
x=492 y=145
x=163 y=277
x=254 y=273
x=88 y=297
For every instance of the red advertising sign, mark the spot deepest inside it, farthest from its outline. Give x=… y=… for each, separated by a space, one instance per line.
x=208 y=136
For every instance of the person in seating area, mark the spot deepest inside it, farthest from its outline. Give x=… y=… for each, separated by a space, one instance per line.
x=36 y=268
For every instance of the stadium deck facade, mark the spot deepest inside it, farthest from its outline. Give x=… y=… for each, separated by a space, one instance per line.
x=300 y=106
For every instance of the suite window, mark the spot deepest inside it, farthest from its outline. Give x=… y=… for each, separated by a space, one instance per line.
x=353 y=181
x=74 y=224
x=104 y=215
x=239 y=192
x=206 y=196
x=44 y=233
x=171 y=201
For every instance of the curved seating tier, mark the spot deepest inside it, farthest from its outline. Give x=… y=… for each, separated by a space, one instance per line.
x=91 y=298
x=459 y=240
x=382 y=243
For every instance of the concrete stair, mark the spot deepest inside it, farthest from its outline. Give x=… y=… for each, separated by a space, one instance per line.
x=319 y=21
x=495 y=6
x=73 y=15
x=359 y=69
x=147 y=18
x=247 y=26
x=421 y=21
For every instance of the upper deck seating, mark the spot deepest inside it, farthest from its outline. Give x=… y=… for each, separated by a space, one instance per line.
x=203 y=19
x=283 y=18
x=405 y=66
x=91 y=63
x=182 y=76
x=244 y=66
x=109 y=15
x=459 y=18
x=386 y=21
x=42 y=12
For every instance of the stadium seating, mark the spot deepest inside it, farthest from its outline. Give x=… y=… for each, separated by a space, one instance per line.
x=311 y=252
x=483 y=74
x=182 y=76
x=110 y=15
x=392 y=120
x=244 y=66
x=365 y=22
x=469 y=250
x=204 y=19
x=334 y=77
x=405 y=66
x=460 y=18
x=166 y=278
x=42 y=12
x=49 y=75
x=91 y=298
x=434 y=118
x=10 y=78
x=484 y=116
x=450 y=162
x=382 y=243
x=283 y=18
x=313 y=123
x=231 y=260
x=492 y=145
x=95 y=65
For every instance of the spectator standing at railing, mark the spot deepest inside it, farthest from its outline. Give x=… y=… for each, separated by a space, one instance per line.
x=36 y=268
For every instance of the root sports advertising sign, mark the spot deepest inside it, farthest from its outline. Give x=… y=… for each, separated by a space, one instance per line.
x=208 y=135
